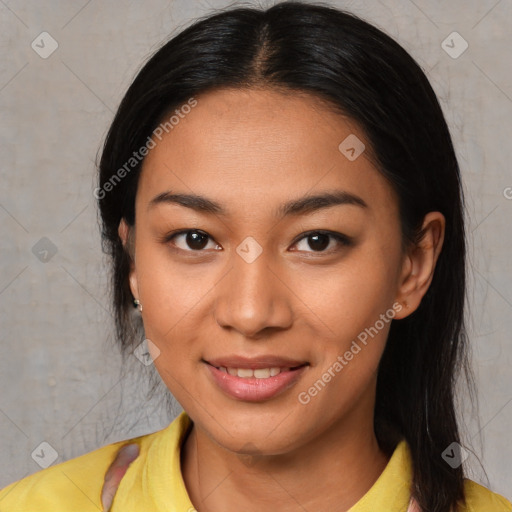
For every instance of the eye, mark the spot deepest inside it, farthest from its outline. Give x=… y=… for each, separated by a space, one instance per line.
x=191 y=240
x=318 y=241
x=195 y=240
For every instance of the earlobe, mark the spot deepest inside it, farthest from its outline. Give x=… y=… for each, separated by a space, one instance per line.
x=126 y=235
x=419 y=264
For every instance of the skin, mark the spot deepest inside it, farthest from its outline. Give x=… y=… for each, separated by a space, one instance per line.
x=251 y=150
x=125 y=456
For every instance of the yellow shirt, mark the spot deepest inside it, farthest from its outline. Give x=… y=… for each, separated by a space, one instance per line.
x=153 y=482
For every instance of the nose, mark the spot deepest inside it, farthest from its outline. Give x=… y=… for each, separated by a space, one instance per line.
x=253 y=298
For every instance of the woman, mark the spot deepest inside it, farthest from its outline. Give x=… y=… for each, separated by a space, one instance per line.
x=281 y=200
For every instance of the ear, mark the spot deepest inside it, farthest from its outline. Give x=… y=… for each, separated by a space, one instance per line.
x=127 y=236
x=419 y=264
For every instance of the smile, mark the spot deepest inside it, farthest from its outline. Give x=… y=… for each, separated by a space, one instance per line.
x=255 y=380
x=260 y=373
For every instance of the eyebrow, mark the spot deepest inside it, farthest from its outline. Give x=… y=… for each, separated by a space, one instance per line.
x=303 y=205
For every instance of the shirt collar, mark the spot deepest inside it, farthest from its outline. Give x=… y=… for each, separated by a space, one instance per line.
x=163 y=485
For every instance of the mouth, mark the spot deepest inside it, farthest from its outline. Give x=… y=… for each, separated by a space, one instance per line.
x=257 y=373
x=255 y=380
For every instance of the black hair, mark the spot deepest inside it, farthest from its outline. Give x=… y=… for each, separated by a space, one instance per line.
x=363 y=73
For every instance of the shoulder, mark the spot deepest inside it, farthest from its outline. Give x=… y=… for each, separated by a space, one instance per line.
x=482 y=499
x=71 y=485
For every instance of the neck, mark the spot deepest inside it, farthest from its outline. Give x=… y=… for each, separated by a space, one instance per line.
x=331 y=472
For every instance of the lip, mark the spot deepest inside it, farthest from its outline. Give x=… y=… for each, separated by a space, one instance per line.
x=252 y=389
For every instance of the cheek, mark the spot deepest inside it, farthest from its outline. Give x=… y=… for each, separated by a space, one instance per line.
x=352 y=338
x=352 y=312
x=350 y=297
x=170 y=292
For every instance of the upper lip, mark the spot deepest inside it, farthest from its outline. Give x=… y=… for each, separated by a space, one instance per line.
x=254 y=363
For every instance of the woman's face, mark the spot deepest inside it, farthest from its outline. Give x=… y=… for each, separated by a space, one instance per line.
x=257 y=313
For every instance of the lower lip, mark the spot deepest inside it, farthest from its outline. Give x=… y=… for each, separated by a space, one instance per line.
x=252 y=389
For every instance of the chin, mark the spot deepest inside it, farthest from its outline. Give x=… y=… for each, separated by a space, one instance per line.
x=254 y=433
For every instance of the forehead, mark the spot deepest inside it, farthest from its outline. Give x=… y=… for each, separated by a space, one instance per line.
x=258 y=146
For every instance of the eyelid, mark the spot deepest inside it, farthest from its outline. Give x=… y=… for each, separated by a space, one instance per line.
x=173 y=234
x=343 y=240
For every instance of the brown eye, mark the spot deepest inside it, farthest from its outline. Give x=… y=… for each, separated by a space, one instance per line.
x=195 y=240
x=190 y=240
x=318 y=241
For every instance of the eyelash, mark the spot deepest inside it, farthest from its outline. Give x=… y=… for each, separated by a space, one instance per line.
x=343 y=240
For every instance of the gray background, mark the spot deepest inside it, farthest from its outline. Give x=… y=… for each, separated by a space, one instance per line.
x=61 y=377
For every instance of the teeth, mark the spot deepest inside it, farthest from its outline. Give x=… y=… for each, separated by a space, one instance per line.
x=260 y=373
